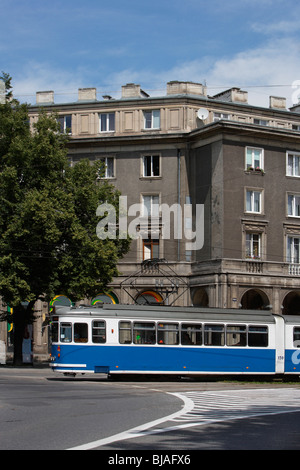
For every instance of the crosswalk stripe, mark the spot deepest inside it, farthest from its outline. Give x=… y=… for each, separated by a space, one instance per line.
x=211 y=406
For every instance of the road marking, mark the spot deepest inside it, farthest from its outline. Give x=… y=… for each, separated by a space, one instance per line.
x=201 y=408
x=139 y=430
x=227 y=405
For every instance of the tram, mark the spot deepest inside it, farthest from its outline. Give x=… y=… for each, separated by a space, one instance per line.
x=137 y=339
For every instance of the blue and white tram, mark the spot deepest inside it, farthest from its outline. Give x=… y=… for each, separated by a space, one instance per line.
x=135 y=339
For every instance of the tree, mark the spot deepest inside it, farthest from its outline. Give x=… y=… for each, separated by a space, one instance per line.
x=48 y=219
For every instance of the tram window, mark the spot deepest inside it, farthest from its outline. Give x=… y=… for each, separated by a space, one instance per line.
x=54 y=331
x=191 y=334
x=66 y=332
x=144 y=333
x=258 y=336
x=168 y=333
x=214 y=335
x=98 y=332
x=80 y=333
x=296 y=337
x=236 y=335
x=125 y=334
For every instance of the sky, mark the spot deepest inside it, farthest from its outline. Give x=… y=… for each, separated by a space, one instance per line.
x=65 y=45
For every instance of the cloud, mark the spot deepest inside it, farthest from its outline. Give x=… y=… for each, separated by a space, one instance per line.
x=43 y=77
x=268 y=69
x=285 y=27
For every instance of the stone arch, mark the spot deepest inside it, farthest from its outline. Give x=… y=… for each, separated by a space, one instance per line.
x=107 y=298
x=149 y=297
x=254 y=299
x=200 y=297
x=291 y=303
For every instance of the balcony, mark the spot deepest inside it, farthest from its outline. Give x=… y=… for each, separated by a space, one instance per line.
x=294 y=269
x=247 y=266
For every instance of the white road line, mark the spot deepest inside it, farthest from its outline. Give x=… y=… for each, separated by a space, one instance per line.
x=201 y=408
x=139 y=430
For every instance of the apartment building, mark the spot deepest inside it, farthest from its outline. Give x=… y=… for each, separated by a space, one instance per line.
x=211 y=186
x=188 y=150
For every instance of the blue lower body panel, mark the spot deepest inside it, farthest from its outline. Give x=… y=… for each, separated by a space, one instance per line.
x=162 y=359
x=292 y=361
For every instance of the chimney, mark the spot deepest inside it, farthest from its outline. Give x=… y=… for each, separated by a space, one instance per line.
x=87 y=94
x=233 y=95
x=44 y=97
x=277 y=103
x=186 y=88
x=131 y=90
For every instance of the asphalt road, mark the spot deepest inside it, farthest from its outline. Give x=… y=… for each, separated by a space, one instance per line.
x=40 y=410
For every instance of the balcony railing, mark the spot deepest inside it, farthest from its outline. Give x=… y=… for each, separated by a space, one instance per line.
x=294 y=269
x=247 y=266
x=255 y=267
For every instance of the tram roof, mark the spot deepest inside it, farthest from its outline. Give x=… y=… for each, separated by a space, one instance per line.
x=166 y=313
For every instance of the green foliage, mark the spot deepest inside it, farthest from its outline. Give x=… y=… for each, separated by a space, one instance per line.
x=48 y=242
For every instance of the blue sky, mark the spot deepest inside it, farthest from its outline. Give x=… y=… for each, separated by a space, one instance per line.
x=65 y=45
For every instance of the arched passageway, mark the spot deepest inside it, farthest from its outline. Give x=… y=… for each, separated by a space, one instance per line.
x=255 y=299
x=291 y=303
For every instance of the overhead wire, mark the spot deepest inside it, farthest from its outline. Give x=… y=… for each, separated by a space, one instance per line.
x=105 y=90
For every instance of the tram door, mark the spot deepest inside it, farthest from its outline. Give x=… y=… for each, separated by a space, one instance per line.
x=279 y=344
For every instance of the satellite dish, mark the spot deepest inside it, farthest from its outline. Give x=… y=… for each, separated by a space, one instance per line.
x=202 y=114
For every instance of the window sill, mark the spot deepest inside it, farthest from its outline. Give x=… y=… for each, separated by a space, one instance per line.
x=255 y=172
x=150 y=178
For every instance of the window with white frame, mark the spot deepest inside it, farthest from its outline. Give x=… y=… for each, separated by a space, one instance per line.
x=107 y=122
x=261 y=122
x=254 y=158
x=151 y=205
x=253 y=245
x=293 y=205
x=293 y=251
x=151 y=165
x=220 y=116
x=109 y=163
x=65 y=123
x=152 y=119
x=253 y=201
x=293 y=164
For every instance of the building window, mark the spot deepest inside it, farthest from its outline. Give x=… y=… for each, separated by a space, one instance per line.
x=109 y=171
x=254 y=158
x=253 y=245
x=152 y=119
x=151 y=206
x=293 y=205
x=293 y=252
x=65 y=123
x=150 y=248
x=220 y=116
x=253 y=201
x=261 y=122
x=107 y=122
x=151 y=165
x=293 y=164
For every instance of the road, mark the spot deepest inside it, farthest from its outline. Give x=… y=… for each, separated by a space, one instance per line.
x=40 y=410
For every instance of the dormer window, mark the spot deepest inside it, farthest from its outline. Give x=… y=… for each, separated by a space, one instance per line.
x=65 y=123
x=107 y=122
x=152 y=119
